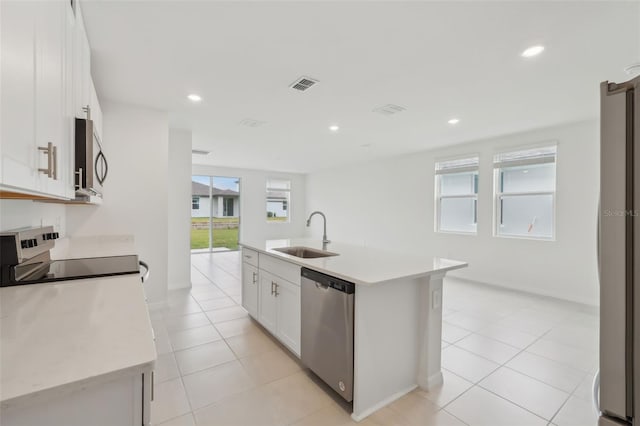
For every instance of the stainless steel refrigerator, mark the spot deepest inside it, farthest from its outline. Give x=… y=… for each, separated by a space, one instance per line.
x=619 y=254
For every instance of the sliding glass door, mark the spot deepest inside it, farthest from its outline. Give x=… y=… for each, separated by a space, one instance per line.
x=215 y=213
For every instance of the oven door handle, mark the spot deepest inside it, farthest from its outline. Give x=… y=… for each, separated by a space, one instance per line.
x=145 y=276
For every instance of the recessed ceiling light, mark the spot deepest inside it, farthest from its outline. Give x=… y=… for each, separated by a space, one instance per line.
x=532 y=51
x=454 y=121
x=194 y=98
x=334 y=128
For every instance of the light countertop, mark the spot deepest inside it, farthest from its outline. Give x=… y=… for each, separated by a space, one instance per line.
x=57 y=337
x=358 y=264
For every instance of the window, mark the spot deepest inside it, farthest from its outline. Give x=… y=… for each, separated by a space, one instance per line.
x=278 y=200
x=525 y=189
x=457 y=195
x=195 y=203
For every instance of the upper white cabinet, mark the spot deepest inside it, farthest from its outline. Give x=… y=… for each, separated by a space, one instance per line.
x=46 y=81
x=18 y=151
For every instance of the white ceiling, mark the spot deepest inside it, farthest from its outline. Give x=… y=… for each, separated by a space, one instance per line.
x=436 y=59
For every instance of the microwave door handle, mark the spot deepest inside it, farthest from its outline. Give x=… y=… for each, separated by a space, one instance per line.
x=102 y=160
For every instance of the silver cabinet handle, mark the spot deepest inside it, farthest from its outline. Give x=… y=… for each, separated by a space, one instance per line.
x=48 y=150
x=145 y=277
x=255 y=277
x=275 y=293
x=55 y=162
x=272 y=290
x=248 y=256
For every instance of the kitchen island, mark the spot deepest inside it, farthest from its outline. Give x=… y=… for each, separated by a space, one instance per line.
x=77 y=352
x=397 y=317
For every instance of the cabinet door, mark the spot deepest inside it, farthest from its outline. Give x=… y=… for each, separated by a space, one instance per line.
x=82 y=66
x=50 y=43
x=17 y=73
x=288 y=316
x=250 y=289
x=267 y=300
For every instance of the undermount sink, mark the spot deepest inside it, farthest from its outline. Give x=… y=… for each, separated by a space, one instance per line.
x=304 y=252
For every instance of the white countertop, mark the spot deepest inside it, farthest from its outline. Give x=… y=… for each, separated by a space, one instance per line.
x=358 y=264
x=61 y=336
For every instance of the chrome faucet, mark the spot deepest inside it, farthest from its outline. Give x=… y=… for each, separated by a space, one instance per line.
x=325 y=240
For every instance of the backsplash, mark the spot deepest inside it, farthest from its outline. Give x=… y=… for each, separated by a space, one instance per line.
x=20 y=213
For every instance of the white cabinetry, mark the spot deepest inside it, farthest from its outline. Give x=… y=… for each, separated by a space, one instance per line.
x=288 y=314
x=45 y=80
x=275 y=303
x=104 y=404
x=17 y=142
x=250 y=288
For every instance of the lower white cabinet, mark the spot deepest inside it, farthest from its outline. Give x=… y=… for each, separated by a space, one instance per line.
x=288 y=315
x=280 y=309
x=268 y=303
x=250 y=288
x=122 y=401
x=275 y=301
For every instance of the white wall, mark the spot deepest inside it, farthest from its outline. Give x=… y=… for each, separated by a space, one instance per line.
x=354 y=199
x=253 y=198
x=179 y=213
x=20 y=213
x=135 y=192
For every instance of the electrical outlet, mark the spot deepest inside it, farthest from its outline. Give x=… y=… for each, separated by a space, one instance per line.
x=436 y=299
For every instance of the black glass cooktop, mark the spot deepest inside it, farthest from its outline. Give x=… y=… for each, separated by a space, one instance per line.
x=73 y=269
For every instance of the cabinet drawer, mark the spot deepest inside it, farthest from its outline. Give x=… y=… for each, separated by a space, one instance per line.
x=250 y=256
x=283 y=269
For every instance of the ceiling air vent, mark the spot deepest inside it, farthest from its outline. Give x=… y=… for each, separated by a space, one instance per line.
x=389 y=109
x=250 y=122
x=303 y=83
x=200 y=152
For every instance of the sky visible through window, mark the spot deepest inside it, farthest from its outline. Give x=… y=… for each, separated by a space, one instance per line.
x=218 y=182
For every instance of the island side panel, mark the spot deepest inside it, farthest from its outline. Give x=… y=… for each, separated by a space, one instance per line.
x=429 y=366
x=386 y=343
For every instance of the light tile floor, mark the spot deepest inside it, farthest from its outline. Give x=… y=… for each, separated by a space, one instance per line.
x=508 y=359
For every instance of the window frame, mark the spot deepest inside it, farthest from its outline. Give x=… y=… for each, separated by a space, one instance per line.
x=498 y=194
x=475 y=170
x=195 y=200
x=287 y=201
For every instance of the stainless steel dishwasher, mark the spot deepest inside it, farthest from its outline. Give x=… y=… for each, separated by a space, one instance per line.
x=327 y=329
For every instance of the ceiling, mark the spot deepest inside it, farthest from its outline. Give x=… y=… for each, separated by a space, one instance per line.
x=436 y=59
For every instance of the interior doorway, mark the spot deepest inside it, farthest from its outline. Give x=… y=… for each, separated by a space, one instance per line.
x=215 y=213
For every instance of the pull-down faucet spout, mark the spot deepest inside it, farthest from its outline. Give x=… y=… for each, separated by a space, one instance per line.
x=325 y=240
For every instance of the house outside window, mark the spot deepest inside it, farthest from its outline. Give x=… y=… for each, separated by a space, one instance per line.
x=525 y=192
x=195 y=203
x=457 y=195
x=278 y=200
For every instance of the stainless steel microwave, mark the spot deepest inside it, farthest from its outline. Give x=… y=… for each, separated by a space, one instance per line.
x=90 y=163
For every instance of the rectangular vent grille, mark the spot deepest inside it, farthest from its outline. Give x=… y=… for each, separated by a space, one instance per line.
x=200 y=152
x=389 y=109
x=250 y=122
x=303 y=83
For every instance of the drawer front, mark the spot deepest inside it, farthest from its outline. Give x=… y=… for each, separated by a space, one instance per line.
x=281 y=268
x=250 y=256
